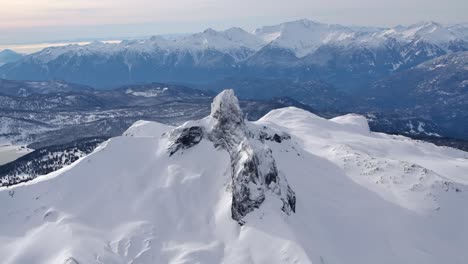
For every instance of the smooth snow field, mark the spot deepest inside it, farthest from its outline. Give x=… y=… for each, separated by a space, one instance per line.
x=361 y=198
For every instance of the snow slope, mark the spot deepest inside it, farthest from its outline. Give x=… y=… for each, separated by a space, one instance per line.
x=361 y=197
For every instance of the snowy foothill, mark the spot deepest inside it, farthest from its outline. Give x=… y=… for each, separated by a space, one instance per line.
x=161 y=194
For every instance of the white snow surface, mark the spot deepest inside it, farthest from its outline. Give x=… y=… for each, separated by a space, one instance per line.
x=362 y=197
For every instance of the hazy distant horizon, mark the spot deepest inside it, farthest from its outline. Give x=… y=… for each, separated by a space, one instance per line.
x=50 y=20
x=28 y=48
x=31 y=46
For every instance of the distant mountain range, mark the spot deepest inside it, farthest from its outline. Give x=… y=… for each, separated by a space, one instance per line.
x=302 y=50
x=407 y=79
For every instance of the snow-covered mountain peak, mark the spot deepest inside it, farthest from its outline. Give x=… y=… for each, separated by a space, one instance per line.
x=210 y=31
x=160 y=41
x=238 y=43
x=156 y=38
x=303 y=188
x=429 y=31
x=304 y=22
x=235 y=31
x=244 y=38
x=427 y=25
x=303 y=36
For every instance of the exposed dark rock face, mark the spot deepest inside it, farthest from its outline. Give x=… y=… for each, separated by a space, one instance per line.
x=185 y=138
x=253 y=168
x=275 y=137
x=229 y=128
x=254 y=173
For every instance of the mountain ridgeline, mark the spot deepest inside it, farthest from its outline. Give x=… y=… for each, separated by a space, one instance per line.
x=346 y=57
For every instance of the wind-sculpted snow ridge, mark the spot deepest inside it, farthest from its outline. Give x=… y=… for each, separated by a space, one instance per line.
x=253 y=168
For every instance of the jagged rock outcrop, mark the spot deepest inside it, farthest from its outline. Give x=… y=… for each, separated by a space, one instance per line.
x=185 y=138
x=253 y=167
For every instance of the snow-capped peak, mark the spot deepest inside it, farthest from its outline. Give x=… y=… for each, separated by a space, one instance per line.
x=303 y=36
x=230 y=39
x=430 y=31
x=210 y=31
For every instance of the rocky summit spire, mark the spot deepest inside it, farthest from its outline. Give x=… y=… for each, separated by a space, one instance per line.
x=253 y=168
x=225 y=109
x=228 y=127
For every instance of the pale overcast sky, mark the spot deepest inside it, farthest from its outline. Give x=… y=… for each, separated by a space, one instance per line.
x=48 y=20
